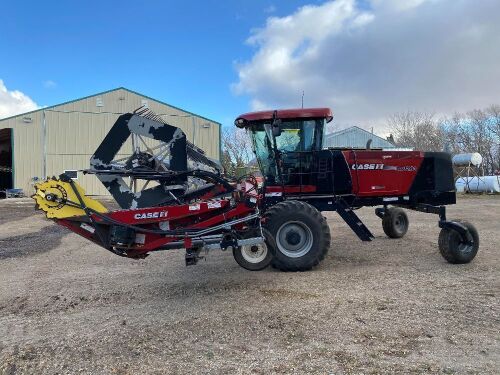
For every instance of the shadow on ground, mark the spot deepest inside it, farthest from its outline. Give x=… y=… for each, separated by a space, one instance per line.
x=31 y=244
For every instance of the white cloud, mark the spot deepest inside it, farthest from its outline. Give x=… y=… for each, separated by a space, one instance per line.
x=14 y=102
x=397 y=5
x=48 y=84
x=428 y=55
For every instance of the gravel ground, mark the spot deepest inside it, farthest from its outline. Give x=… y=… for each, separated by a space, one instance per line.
x=389 y=306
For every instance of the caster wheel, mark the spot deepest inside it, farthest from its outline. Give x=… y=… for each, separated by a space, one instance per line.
x=395 y=222
x=454 y=248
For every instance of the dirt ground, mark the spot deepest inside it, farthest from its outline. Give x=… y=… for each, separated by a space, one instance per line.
x=389 y=306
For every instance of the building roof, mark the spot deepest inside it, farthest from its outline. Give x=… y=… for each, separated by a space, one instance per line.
x=286 y=113
x=355 y=137
x=105 y=92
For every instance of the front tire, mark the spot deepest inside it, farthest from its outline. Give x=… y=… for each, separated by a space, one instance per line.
x=454 y=249
x=253 y=257
x=299 y=236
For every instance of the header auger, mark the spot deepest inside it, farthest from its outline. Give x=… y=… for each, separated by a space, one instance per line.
x=173 y=197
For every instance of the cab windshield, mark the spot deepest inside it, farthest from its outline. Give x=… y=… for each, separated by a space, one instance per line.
x=296 y=136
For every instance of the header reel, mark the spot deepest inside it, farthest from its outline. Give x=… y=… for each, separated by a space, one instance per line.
x=157 y=170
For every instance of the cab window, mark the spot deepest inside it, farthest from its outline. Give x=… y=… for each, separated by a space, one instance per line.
x=296 y=136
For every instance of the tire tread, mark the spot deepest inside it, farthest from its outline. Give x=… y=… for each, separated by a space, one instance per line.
x=284 y=208
x=450 y=254
x=388 y=222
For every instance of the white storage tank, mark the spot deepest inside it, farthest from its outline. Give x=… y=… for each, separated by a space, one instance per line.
x=483 y=184
x=463 y=160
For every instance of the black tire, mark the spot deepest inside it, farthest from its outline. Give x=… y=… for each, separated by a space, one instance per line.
x=454 y=249
x=251 y=257
x=395 y=222
x=299 y=236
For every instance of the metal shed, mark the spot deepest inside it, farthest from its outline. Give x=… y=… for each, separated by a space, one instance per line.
x=50 y=140
x=355 y=137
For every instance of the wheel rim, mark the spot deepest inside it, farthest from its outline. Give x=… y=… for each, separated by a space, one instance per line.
x=294 y=239
x=465 y=248
x=254 y=253
x=462 y=246
x=400 y=223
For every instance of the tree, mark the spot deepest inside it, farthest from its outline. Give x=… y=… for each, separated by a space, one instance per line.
x=475 y=131
x=236 y=150
x=494 y=118
x=451 y=134
x=493 y=113
x=417 y=130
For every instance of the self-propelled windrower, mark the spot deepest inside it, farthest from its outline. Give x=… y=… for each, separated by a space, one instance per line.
x=173 y=197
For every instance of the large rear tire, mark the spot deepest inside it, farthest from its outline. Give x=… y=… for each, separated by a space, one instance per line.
x=299 y=236
x=454 y=249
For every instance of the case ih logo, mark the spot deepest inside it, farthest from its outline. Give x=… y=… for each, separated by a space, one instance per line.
x=151 y=215
x=374 y=166
x=367 y=166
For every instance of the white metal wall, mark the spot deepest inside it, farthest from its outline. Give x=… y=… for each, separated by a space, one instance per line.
x=74 y=131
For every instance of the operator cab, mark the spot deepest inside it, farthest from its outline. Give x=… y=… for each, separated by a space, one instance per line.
x=302 y=128
x=288 y=145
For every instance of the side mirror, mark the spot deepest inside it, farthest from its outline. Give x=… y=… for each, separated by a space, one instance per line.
x=276 y=128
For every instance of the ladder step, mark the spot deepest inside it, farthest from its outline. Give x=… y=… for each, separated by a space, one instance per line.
x=353 y=221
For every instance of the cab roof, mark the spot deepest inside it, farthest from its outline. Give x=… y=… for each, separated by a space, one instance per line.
x=243 y=119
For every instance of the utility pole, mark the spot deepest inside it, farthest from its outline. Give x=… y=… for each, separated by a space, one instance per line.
x=302 y=98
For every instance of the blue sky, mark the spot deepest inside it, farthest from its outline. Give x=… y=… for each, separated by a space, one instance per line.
x=182 y=52
x=366 y=59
